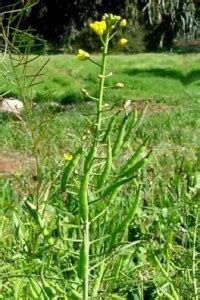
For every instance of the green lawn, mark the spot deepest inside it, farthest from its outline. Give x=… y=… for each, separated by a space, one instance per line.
x=170 y=80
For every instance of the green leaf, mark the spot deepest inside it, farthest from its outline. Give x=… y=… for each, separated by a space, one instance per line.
x=122 y=227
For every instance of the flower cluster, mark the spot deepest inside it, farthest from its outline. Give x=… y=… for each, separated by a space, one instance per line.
x=108 y=24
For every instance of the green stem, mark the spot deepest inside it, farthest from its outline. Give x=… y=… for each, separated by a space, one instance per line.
x=101 y=85
x=86 y=225
x=87 y=248
x=194 y=260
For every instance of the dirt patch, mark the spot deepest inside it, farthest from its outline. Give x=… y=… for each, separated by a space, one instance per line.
x=89 y=106
x=13 y=163
x=152 y=107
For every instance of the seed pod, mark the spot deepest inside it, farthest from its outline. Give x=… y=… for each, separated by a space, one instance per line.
x=113 y=187
x=35 y=289
x=122 y=227
x=108 y=165
x=135 y=167
x=130 y=125
x=83 y=192
x=135 y=156
x=48 y=289
x=139 y=119
x=109 y=128
x=69 y=168
x=82 y=263
x=120 y=138
x=125 y=223
x=89 y=158
x=35 y=214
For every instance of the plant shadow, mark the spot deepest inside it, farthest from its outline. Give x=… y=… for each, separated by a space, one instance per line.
x=185 y=79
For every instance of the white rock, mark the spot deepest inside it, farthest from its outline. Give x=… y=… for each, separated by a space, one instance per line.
x=12 y=105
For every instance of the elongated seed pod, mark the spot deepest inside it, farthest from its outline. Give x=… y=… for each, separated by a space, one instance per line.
x=122 y=227
x=109 y=128
x=125 y=223
x=83 y=192
x=135 y=156
x=116 y=185
x=130 y=125
x=98 y=280
x=48 y=290
x=35 y=289
x=108 y=165
x=35 y=214
x=82 y=263
x=89 y=158
x=135 y=167
x=69 y=169
x=120 y=138
x=139 y=120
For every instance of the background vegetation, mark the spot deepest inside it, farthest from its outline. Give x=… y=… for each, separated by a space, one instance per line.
x=152 y=25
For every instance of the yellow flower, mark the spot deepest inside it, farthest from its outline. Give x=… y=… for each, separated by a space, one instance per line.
x=82 y=55
x=123 y=23
x=67 y=157
x=122 y=42
x=98 y=27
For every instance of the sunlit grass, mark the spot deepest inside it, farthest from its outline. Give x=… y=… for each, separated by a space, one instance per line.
x=169 y=78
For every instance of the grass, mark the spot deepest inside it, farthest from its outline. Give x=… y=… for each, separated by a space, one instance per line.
x=168 y=78
x=157 y=78
x=162 y=261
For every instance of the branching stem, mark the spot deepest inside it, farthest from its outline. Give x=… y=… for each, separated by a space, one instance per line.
x=86 y=221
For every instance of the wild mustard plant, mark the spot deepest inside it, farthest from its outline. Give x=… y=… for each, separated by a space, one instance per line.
x=71 y=234
x=101 y=182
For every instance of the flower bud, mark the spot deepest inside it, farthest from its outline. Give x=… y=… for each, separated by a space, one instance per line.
x=111 y=17
x=119 y=85
x=84 y=92
x=122 y=42
x=127 y=104
x=82 y=55
x=105 y=16
x=123 y=23
x=118 y=18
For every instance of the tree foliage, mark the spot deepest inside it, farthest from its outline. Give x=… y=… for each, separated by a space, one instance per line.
x=168 y=19
x=59 y=21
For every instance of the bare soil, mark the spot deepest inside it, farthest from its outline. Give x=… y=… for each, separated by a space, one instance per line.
x=13 y=163
x=152 y=107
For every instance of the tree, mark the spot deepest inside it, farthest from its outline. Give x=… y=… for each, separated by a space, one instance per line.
x=163 y=20
x=168 y=19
